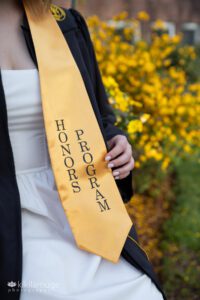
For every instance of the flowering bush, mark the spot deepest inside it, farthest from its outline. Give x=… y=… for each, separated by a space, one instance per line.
x=148 y=86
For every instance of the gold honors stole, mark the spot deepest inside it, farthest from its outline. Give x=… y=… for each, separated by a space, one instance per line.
x=87 y=189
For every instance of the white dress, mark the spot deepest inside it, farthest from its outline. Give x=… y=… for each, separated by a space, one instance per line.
x=54 y=268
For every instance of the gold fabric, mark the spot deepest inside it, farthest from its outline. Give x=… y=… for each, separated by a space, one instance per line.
x=87 y=189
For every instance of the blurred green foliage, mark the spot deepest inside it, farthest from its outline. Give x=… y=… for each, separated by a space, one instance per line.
x=181 y=239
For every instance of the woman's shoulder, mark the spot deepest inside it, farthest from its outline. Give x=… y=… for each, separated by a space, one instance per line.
x=80 y=19
x=77 y=15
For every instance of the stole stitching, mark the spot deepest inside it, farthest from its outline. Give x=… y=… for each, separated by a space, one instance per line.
x=139 y=246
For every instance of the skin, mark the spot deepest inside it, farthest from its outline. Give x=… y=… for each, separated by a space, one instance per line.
x=120 y=156
x=14 y=55
x=13 y=51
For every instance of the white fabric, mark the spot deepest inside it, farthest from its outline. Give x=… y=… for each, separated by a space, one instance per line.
x=54 y=267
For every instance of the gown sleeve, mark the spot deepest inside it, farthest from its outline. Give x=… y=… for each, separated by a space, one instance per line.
x=125 y=185
x=106 y=110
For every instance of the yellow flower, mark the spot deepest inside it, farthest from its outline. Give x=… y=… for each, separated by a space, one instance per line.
x=159 y=24
x=165 y=163
x=111 y=69
x=172 y=138
x=135 y=126
x=158 y=156
x=187 y=148
x=137 y=164
x=144 y=118
x=143 y=16
x=176 y=39
x=181 y=110
x=121 y=16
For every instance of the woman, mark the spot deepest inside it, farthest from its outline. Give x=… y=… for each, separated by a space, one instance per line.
x=50 y=265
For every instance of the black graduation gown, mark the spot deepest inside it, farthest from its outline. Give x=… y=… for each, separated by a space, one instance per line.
x=77 y=36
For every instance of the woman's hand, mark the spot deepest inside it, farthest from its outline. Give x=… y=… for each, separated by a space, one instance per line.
x=120 y=156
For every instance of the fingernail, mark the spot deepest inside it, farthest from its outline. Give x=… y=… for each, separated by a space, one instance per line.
x=108 y=158
x=110 y=165
x=117 y=177
x=115 y=173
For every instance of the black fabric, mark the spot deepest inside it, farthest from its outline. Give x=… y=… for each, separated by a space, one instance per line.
x=10 y=212
x=136 y=256
x=78 y=38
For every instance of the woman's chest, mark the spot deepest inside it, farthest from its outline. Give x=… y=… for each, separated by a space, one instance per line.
x=13 y=51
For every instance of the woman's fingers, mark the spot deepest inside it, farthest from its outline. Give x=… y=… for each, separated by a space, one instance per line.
x=125 y=170
x=118 y=145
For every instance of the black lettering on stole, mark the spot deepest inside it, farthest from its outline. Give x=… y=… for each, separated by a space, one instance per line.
x=91 y=171
x=68 y=160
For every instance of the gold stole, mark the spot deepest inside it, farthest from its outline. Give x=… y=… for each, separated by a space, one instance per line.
x=87 y=189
